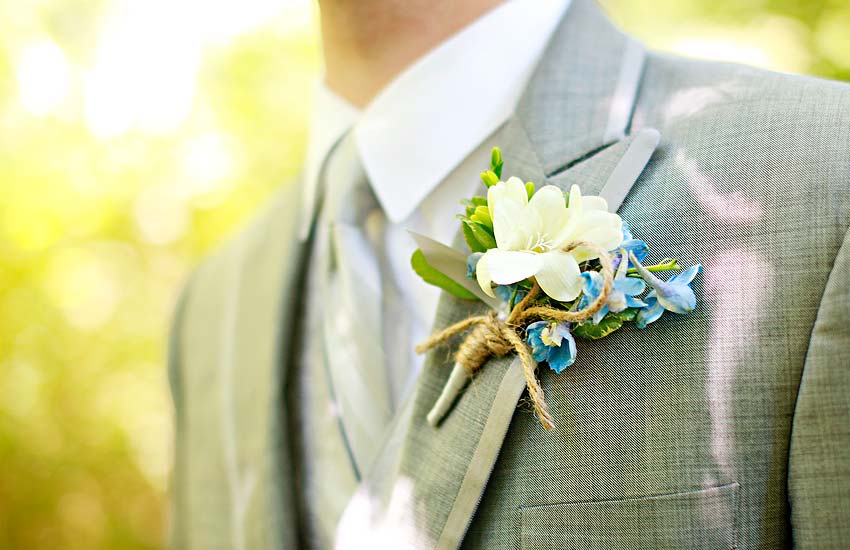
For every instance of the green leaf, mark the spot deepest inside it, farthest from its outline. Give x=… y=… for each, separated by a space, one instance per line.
x=605 y=327
x=608 y=324
x=483 y=235
x=434 y=277
x=470 y=239
x=629 y=314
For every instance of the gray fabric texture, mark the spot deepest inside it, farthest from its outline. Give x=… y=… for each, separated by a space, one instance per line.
x=725 y=428
x=234 y=483
x=701 y=519
x=819 y=462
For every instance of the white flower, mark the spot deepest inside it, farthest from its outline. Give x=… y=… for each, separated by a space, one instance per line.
x=530 y=236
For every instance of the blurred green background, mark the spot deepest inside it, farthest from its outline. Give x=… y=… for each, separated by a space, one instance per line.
x=134 y=136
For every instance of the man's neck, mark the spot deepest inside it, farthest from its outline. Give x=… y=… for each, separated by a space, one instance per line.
x=367 y=43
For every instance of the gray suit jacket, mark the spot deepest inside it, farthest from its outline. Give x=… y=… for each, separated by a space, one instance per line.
x=725 y=428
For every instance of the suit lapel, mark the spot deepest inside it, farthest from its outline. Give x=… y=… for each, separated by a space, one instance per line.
x=267 y=305
x=428 y=481
x=581 y=95
x=243 y=303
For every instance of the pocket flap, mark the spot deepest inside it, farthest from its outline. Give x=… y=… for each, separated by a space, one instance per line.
x=704 y=519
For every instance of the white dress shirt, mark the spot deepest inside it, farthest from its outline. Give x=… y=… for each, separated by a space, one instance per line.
x=424 y=139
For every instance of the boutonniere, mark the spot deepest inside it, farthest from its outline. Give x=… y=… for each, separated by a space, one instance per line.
x=554 y=268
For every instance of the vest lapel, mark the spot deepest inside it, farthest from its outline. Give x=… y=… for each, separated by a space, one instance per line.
x=427 y=482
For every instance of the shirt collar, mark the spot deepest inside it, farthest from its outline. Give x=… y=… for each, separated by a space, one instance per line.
x=434 y=113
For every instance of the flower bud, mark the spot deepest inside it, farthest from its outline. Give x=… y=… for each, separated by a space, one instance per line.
x=489 y=178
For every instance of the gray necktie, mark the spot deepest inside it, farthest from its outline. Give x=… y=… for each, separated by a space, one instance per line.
x=351 y=304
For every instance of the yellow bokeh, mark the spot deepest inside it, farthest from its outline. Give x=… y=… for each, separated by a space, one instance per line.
x=137 y=134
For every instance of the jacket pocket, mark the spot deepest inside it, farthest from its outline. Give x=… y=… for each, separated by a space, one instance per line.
x=695 y=520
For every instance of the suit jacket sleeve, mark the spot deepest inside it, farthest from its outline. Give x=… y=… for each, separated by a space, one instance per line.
x=819 y=460
x=177 y=525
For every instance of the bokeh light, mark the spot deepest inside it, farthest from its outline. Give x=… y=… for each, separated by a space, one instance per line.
x=134 y=136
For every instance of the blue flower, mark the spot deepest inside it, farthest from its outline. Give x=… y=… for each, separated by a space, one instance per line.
x=622 y=295
x=505 y=292
x=674 y=295
x=631 y=245
x=637 y=247
x=553 y=343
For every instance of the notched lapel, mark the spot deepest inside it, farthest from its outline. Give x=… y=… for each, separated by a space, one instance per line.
x=613 y=171
x=581 y=96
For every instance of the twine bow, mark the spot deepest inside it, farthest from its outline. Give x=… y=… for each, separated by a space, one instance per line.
x=492 y=337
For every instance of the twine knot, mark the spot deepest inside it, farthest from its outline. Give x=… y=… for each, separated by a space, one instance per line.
x=491 y=337
x=486 y=339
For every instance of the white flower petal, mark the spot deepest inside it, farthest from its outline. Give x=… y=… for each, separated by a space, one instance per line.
x=511 y=191
x=582 y=254
x=509 y=266
x=507 y=203
x=559 y=276
x=575 y=200
x=600 y=228
x=482 y=274
x=509 y=226
x=551 y=207
x=594 y=202
x=574 y=214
